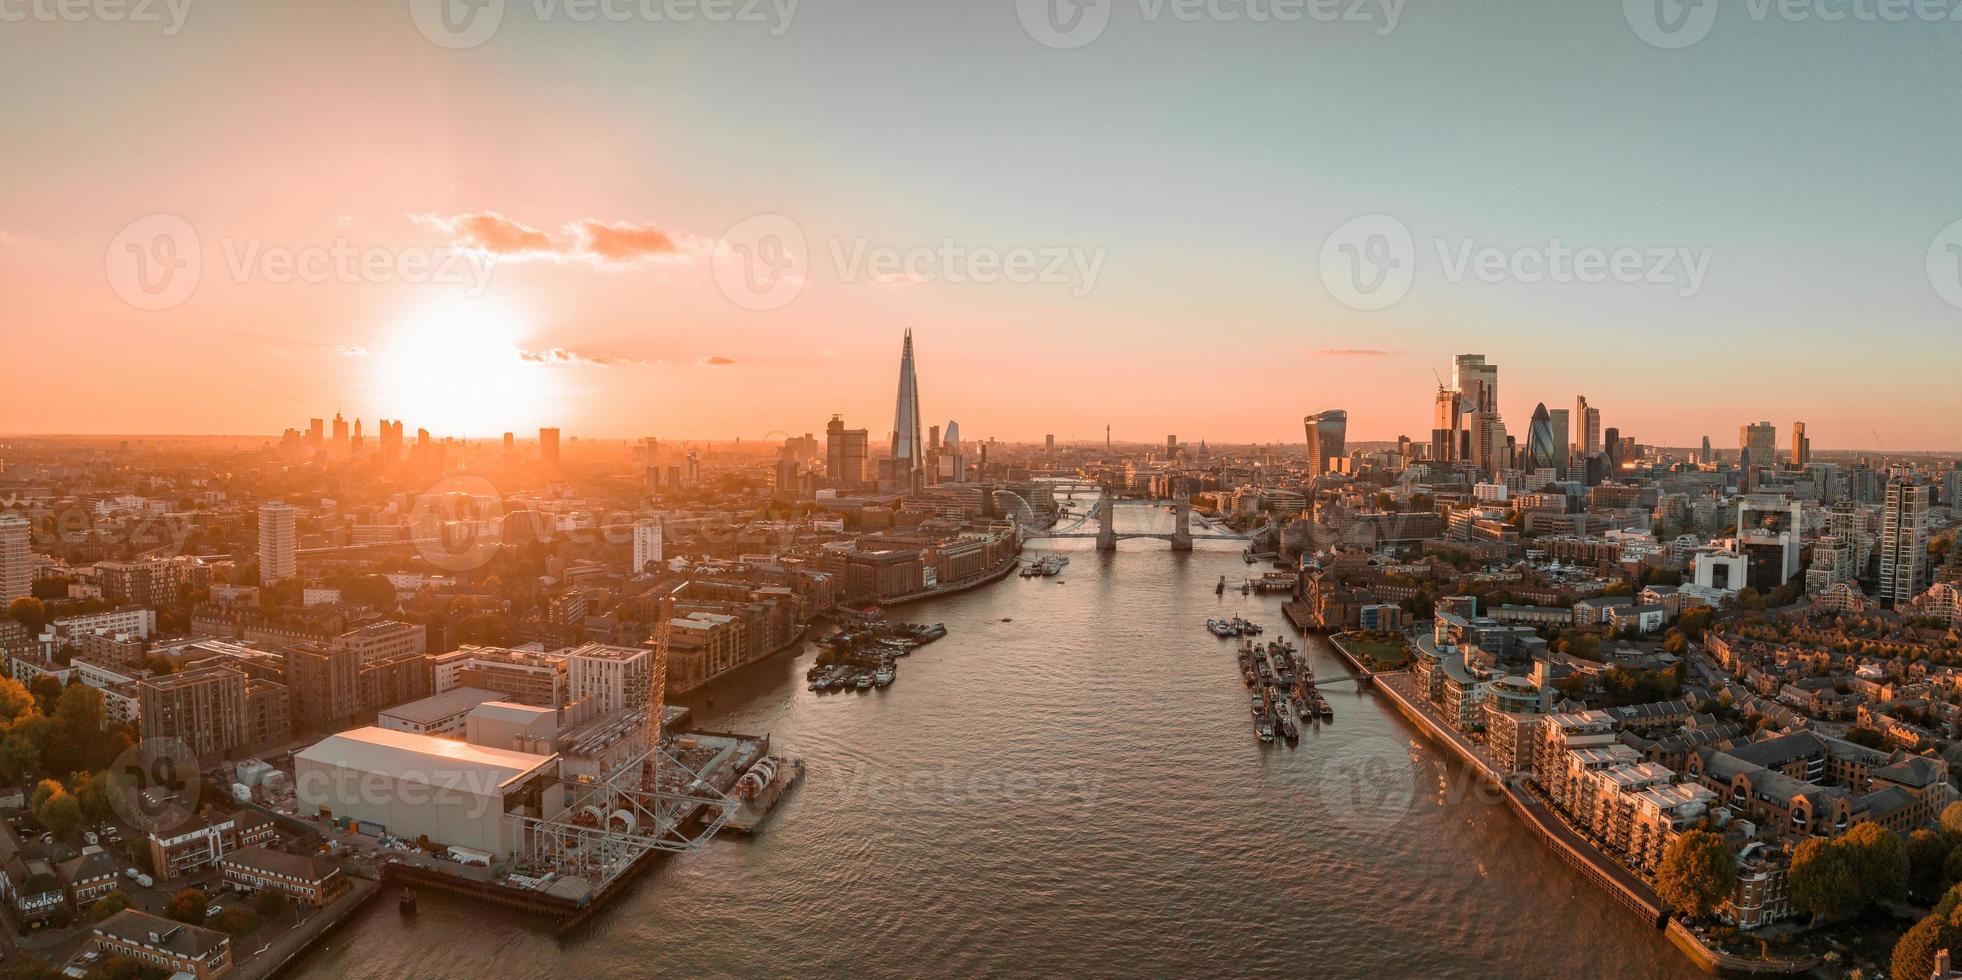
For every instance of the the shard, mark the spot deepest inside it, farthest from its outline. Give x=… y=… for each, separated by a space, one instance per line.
x=908 y=451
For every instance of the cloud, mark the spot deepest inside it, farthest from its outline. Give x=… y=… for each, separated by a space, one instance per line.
x=347 y=351
x=586 y=240
x=491 y=232
x=1355 y=352
x=622 y=241
x=561 y=356
x=715 y=361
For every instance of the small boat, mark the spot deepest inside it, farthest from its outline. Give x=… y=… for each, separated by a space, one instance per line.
x=1265 y=729
x=1221 y=588
x=407 y=902
x=865 y=682
x=883 y=677
x=934 y=632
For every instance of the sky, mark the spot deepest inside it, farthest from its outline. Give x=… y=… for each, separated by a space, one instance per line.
x=1206 y=219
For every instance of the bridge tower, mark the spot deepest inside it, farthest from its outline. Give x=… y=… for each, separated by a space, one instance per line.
x=1182 y=526
x=1106 y=522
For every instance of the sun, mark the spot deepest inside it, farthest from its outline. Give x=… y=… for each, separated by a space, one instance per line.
x=457 y=368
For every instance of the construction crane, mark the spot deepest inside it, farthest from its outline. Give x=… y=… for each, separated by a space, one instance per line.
x=658 y=681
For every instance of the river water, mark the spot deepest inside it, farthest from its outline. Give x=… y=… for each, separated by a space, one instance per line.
x=1068 y=783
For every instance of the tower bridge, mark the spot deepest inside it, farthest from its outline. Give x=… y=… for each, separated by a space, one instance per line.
x=1107 y=534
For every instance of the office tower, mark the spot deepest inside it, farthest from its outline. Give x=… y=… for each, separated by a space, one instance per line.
x=1706 y=458
x=1556 y=420
x=1541 y=440
x=316 y=434
x=1587 y=421
x=278 y=532
x=1171 y=446
x=391 y=441
x=1903 y=542
x=1477 y=381
x=907 y=451
x=1444 y=426
x=1611 y=448
x=647 y=544
x=16 y=558
x=510 y=443
x=952 y=462
x=548 y=446
x=339 y=448
x=1327 y=440
x=1801 y=446
x=1768 y=532
x=1049 y=443
x=844 y=454
x=1761 y=441
x=1487 y=435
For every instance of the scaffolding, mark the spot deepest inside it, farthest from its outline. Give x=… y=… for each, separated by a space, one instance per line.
x=609 y=823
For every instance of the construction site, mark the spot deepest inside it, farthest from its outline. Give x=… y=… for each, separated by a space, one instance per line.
x=547 y=810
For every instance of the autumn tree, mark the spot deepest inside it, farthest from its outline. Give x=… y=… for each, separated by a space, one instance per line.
x=187 y=906
x=1822 y=881
x=1697 y=873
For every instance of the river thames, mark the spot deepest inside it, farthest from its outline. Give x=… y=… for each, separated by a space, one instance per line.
x=1068 y=784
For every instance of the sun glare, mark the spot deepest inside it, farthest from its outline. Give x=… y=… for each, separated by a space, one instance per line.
x=458 y=369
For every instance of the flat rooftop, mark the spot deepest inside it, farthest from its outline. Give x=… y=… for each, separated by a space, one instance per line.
x=438 y=707
x=424 y=759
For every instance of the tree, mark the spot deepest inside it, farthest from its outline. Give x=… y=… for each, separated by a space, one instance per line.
x=269 y=904
x=234 y=922
x=45 y=790
x=1822 y=881
x=108 y=905
x=1951 y=821
x=1697 y=873
x=188 y=907
x=29 y=612
x=1871 y=738
x=1927 y=854
x=1879 y=859
x=1914 y=955
x=61 y=814
x=370 y=590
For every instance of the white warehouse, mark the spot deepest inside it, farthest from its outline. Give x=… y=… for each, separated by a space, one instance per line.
x=411 y=786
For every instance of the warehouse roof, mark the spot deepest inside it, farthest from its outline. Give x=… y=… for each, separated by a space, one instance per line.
x=439 y=707
x=424 y=759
